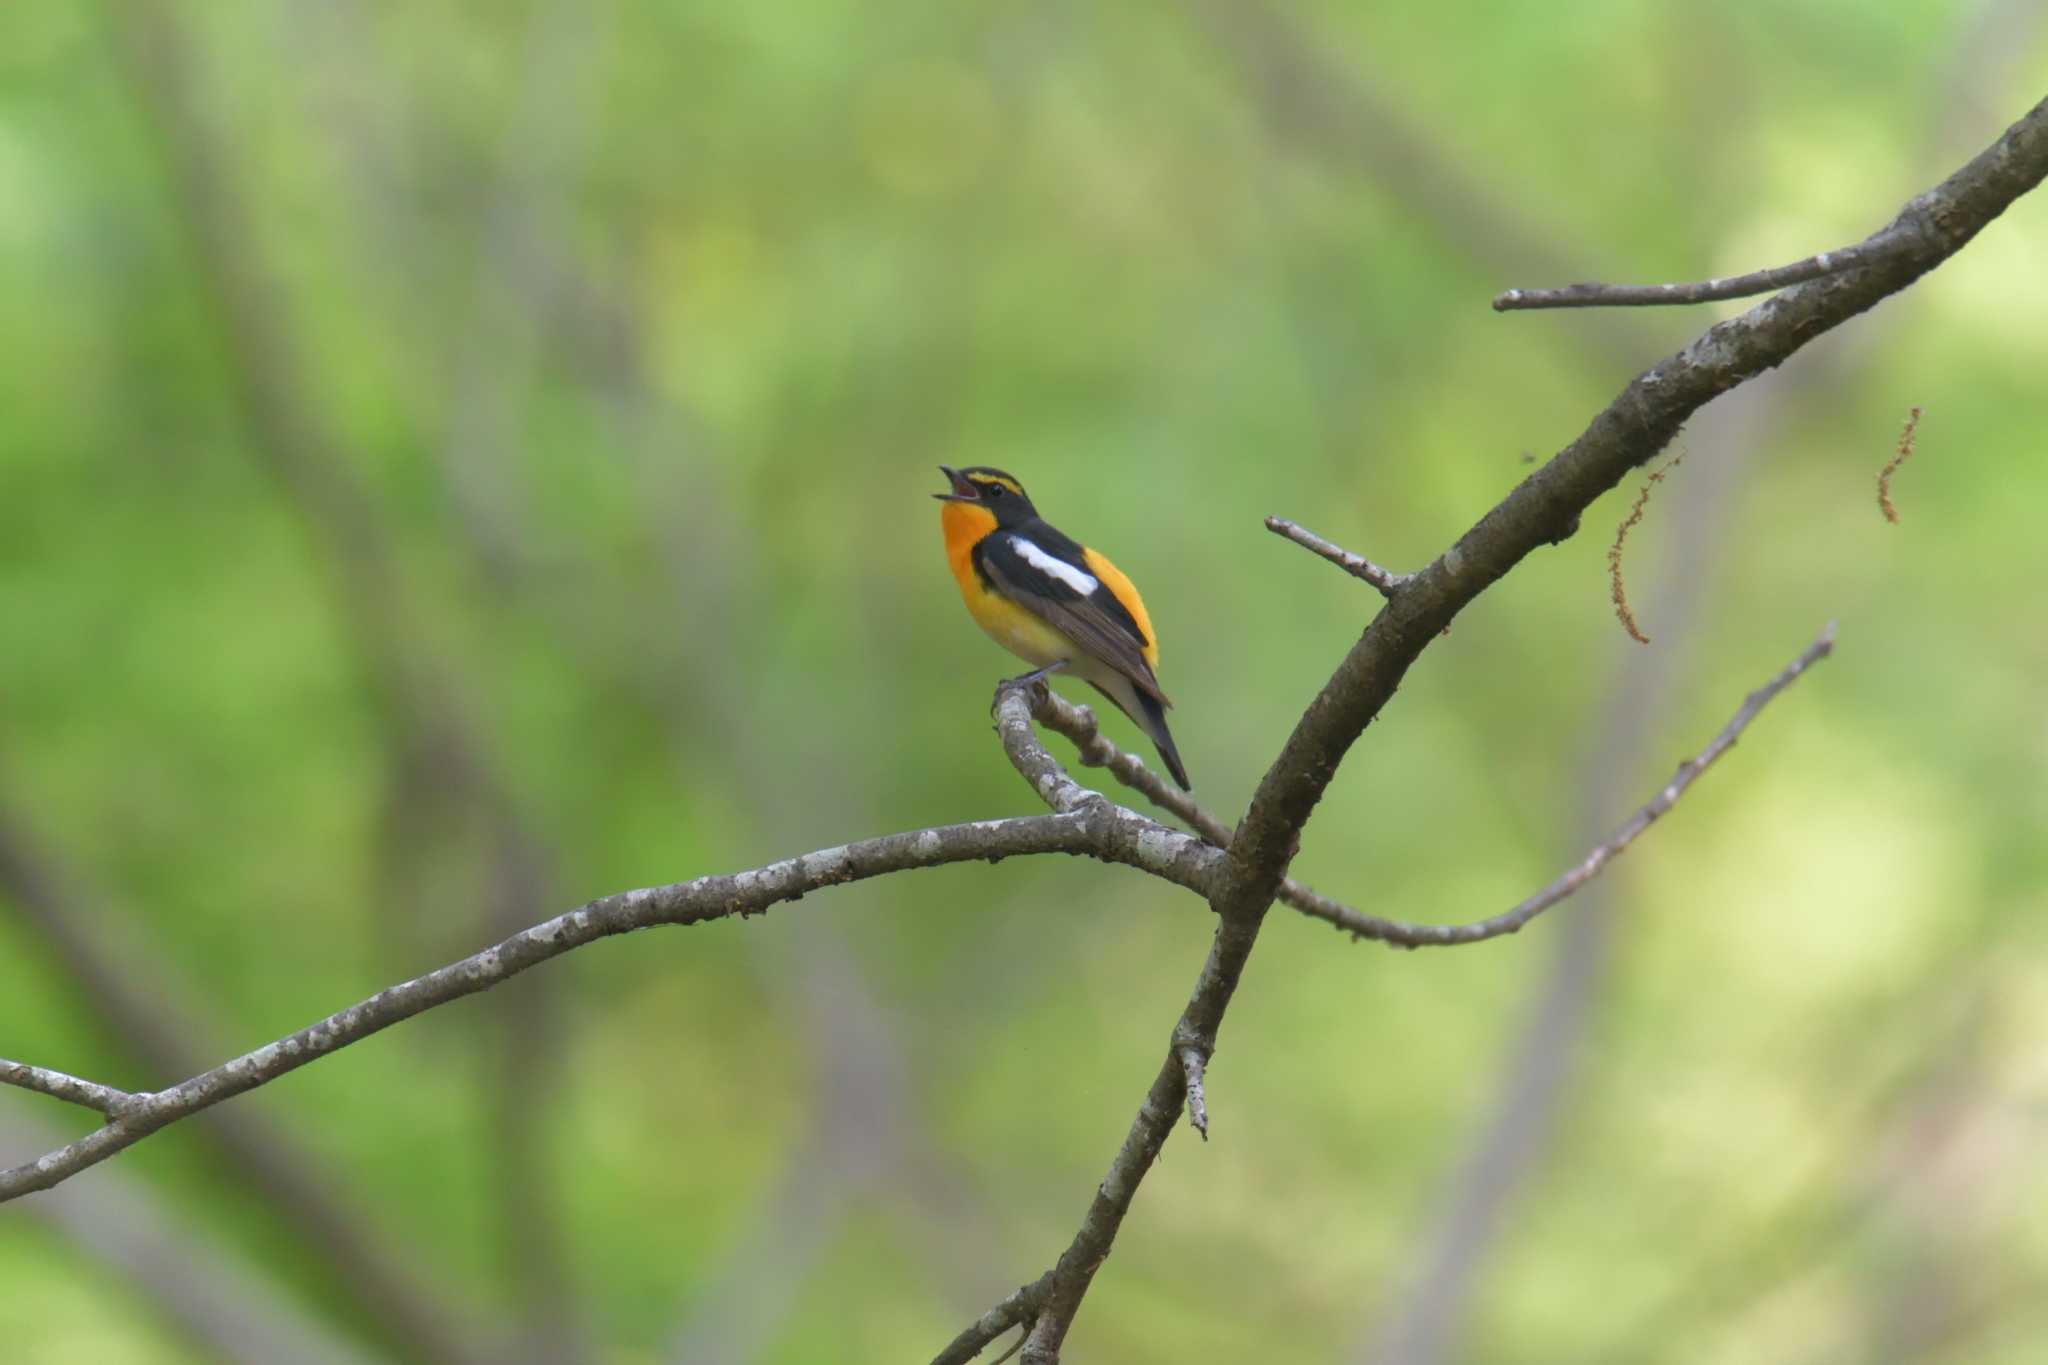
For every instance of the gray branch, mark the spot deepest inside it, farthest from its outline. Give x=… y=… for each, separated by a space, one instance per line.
x=1544 y=509
x=1358 y=566
x=1078 y=724
x=1049 y=1305
x=1593 y=295
x=1404 y=935
x=1910 y=235
x=91 y=1094
x=1086 y=823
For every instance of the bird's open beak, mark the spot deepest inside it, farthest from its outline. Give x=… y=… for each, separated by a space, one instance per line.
x=963 y=491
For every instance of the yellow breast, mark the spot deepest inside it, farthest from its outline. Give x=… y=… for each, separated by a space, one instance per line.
x=1021 y=632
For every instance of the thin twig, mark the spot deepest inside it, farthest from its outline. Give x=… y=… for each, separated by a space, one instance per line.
x=1358 y=566
x=1615 y=587
x=1240 y=895
x=1608 y=849
x=1905 y=453
x=1592 y=295
x=1012 y=1349
x=92 y=1095
x=1078 y=724
x=1020 y=1308
x=1157 y=1117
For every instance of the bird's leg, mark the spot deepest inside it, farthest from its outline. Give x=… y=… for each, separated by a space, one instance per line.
x=1036 y=675
x=1035 y=678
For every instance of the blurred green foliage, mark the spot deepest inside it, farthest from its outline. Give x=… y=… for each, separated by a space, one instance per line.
x=634 y=333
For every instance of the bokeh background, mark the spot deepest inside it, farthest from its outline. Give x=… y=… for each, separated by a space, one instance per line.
x=457 y=460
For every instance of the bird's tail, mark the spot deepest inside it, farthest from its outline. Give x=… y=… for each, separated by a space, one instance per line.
x=1151 y=718
x=1150 y=714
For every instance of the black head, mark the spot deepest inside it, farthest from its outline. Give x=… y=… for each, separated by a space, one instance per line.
x=1000 y=493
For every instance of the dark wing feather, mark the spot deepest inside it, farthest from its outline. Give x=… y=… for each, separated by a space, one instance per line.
x=1095 y=620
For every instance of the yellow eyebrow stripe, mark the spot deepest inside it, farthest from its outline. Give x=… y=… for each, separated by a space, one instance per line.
x=1010 y=485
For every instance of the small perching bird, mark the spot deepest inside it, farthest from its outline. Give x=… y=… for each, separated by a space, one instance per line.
x=1052 y=601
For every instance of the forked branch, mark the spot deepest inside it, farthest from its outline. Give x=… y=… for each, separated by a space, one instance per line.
x=101 y=1099
x=1078 y=724
x=1544 y=509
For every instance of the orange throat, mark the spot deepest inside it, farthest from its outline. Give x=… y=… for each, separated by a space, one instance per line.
x=964 y=523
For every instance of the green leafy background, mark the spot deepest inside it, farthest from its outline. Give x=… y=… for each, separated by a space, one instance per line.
x=627 y=338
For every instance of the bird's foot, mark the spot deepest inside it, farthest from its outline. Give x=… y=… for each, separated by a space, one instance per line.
x=1035 y=678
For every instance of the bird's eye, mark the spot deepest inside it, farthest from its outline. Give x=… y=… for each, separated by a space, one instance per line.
x=992 y=490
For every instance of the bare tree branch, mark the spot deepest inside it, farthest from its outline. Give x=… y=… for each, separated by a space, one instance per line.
x=1193 y=1034
x=1417 y=1314
x=1051 y=1307
x=1052 y=1302
x=1358 y=566
x=92 y=1095
x=1543 y=509
x=1589 y=295
x=1318 y=98
x=1078 y=724
x=1905 y=238
x=1615 y=844
x=1086 y=823
x=1019 y=1308
x=1425 y=1313
x=704 y=899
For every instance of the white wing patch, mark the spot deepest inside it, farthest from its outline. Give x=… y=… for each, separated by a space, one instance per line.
x=1080 y=581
